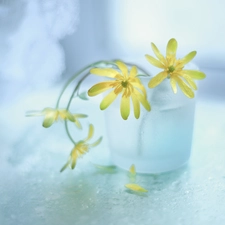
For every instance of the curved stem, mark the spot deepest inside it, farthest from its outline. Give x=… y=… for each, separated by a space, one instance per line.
x=76 y=89
x=140 y=68
x=68 y=133
x=77 y=74
x=68 y=105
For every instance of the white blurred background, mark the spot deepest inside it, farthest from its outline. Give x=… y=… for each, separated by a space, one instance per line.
x=123 y=27
x=43 y=41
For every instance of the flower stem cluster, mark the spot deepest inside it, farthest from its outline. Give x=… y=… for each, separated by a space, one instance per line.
x=122 y=80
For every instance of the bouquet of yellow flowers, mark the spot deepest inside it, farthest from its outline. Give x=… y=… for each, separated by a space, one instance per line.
x=122 y=81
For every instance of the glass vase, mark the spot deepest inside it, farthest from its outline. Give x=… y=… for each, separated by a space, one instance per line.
x=160 y=140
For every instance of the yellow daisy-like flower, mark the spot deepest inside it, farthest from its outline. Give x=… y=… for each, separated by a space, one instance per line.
x=174 y=69
x=51 y=115
x=80 y=149
x=127 y=84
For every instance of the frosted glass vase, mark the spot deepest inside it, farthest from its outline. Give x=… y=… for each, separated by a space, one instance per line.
x=160 y=140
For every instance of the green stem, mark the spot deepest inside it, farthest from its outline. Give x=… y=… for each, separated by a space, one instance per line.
x=68 y=105
x=77 y=74
x=76 y=88
x=139 y=68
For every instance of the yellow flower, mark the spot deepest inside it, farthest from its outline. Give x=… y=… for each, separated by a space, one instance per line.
x=51 y=115
x=80 y=149
x=127 y=84
x=174 y=69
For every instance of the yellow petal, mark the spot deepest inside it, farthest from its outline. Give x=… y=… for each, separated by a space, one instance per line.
x=107 y=72
x=78 y=124
x=123 y=68
x=142 y=100
x=46 y=110
x=154 y=61
x=49 y=111
x=188 y=57
x=70 y=117
x=34 y=113
x=96 y=143
x=73 y=163
x=125 y=107
x=108 y=100
x=158 y=53
x=157 y=79
x=64 y=114
x=136 y=105
x=132 y=170
x=65 y=166
x=50 y=118
x=82 y=149
x=140 y=86
x=118 y=89
x=90 y=133
x=173 y=85
x=99 y=88
x=76 y=121
x=189 y=81
x=133 y=71
x=73 y=153
x=80 y=115
x=171 y=48
x=185 y=88
x=195 y=74
x=135 y=187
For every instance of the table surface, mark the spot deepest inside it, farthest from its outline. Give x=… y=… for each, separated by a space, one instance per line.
x=32 y=191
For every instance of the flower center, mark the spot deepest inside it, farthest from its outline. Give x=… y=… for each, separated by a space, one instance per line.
x=124 y=83
x=171 y=69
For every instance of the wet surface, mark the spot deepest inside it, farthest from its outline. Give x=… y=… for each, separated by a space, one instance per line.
x=33 y=191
